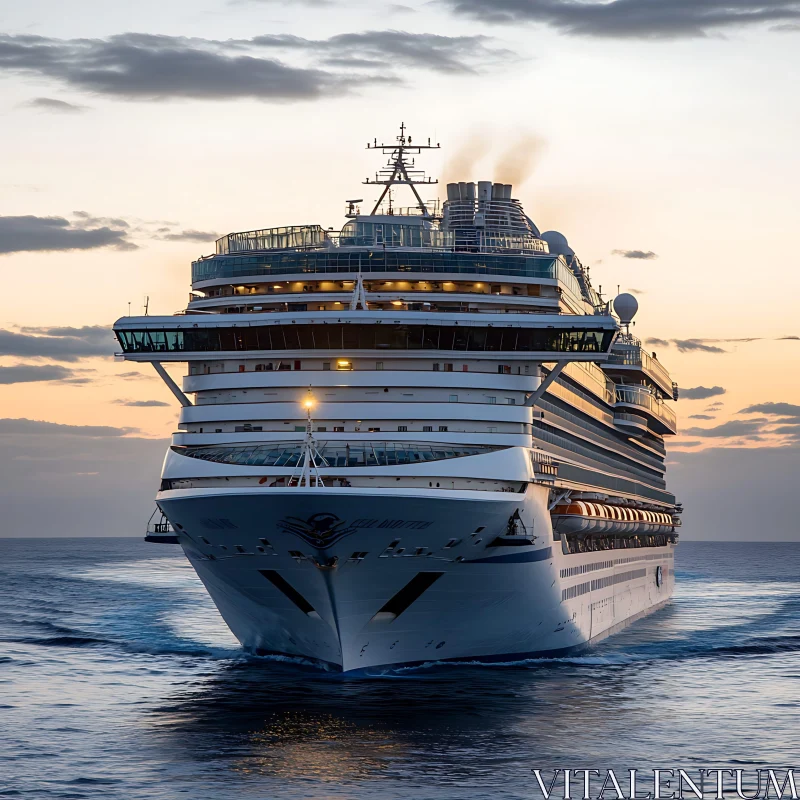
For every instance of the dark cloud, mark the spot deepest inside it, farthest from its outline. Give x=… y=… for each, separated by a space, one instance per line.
x=701 y=416
x=188 y=236
x=57 y=106
x=642 y=255
x=737 y=427
x=281 y=2
x=60 y=344
x=34 y=426
x=136 y=66
x=776 y=409
x=37 y=234
x=696 y=345
x=36 y=373
x=700 y=392
x=632 y=19
x=789 y=338
x=453 y=54
x=142 y=403
x=135 y=376
x=642 y=291
x=658 y=342
x=788 y=430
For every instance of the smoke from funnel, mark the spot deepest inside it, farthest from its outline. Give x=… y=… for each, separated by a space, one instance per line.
x=462 y=164
x=519 y=161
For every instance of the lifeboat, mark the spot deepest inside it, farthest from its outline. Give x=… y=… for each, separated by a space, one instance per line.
x=581 y=516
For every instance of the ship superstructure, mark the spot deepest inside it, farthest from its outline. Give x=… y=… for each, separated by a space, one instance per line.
x=422 y=437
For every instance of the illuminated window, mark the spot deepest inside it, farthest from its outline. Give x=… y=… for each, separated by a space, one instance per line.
x=344 y=365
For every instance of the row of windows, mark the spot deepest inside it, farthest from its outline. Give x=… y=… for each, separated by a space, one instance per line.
x=366 y=337
x=376 y=454
x=570 y=571
x=613 y=483
x=381 y=261
x=618 y=442
x=601 y=583
x=594 y=453
x=622 y=577
x=341 y=365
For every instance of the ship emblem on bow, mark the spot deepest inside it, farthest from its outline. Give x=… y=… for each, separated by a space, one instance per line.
x=319 y=530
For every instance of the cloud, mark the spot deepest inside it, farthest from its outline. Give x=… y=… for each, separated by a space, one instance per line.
x=59 y=344
x=34 y=426
x=188 y=236
x=696 y=345
x=452 y=54
x=789 y=338
x=36 y=373
x=776 y=409
x=700 y=392
x=737 y=427
x=397 y=8
x=631 y=19
x=788 y=430
x=714 y=406
x=281 y=2
x=57 y=106
x=142 y=403
x=137 y=66
x=643 y=255
x=643 y=291
x=135 y=376
x=701 y=416
x=658 y=342
x=36 y=234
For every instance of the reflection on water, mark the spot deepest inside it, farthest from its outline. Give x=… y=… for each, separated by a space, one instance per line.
x=119 y=680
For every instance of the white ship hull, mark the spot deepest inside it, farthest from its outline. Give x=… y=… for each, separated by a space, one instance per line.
x=319 y=573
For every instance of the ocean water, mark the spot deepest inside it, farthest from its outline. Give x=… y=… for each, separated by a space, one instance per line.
x=118 y=679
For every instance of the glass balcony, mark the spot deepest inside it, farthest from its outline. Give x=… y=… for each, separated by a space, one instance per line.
x=629 y=354
x=334 y=454
x=661 y=418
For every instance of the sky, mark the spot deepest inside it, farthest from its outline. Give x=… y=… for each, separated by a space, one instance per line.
x=660 y=136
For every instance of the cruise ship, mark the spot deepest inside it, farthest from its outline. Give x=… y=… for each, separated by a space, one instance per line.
x=422 y=437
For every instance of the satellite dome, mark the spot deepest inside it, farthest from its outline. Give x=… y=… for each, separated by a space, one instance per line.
x=626 y=306
x=558 y=243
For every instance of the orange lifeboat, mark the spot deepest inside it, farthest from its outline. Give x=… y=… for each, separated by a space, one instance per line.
x=582 y=516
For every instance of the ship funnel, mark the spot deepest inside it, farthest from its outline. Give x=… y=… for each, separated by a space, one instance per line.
x=484 y=191
x=507 y=191
x=452 y=191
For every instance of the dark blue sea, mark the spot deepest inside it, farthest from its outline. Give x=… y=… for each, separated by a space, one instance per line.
x=118 y=679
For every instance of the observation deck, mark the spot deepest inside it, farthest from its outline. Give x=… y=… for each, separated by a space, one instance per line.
x=659 y=416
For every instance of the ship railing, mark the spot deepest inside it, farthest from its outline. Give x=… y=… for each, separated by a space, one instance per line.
x=637 y=357
x=644 y=398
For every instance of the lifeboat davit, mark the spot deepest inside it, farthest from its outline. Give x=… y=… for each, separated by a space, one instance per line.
x=581 y=516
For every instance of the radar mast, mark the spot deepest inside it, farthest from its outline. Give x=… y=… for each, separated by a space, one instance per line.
x=400 y=169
